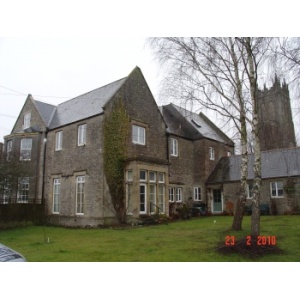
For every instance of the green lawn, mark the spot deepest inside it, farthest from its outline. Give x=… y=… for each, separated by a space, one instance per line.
x=192 y=240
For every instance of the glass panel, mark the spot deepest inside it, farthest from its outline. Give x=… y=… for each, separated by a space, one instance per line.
x=142 y=198
x=143 y=175
x=152 y=195
x=161 y=197
x=161 y=177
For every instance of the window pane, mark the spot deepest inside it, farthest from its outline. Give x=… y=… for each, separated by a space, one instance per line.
x=143 y=175
x=138 y=134
x=129 y=175
x=25 y=152
x=80 y=194
x=171 y=194
x=56 y=195
x=152 y=176
x=161 y=198
x=142 y=198
x=23 y=190
x=152 y=194
x=58 y=140
x=161 y=177
x=82 y=134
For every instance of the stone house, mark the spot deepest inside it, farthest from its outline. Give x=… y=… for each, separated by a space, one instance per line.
x=170 y=152
x=195 y=146
x=280 y=189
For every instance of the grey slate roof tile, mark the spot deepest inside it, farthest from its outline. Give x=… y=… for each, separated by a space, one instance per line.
x=45 y=110
x=274 y=164
x=191 y=125
x=84 y=106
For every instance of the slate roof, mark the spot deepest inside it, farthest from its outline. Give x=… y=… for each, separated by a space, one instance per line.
x=84 y=106
x=187 y=124
x=274 y=164
x=45 y=110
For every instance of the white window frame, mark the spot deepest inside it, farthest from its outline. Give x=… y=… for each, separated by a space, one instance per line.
x=153 y=179
x=174 y=147
x=152 y=198
x=138 y=135
x=211 y=153
x=8 y=150
x=197 y=194
x=25 y=149
x=56 y=196
x=129 y=175
x=129 y=196
x=249 y=190
x=81 y=135
x=6 y=191
x=171 y=194
x=23 y=190
x=26 y=120
x=178 y=194
x=145 y=179
x=161 y=199
x=80 y=195
x=145 y=194
x=161 y=175
x=58 y=140
x=276 y=189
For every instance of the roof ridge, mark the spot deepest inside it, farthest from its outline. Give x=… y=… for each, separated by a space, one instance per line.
x=91 y=91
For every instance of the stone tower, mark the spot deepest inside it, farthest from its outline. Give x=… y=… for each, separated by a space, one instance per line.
x=277 y=127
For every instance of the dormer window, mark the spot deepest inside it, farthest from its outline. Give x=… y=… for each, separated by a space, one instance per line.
x=26 y=122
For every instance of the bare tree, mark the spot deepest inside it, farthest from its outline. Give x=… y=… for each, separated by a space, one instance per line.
x=286 y=61
x=220 y=74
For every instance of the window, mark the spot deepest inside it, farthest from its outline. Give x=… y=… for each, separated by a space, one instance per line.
x=143 y=175
x=197 y=193
x=228 y=154
x=129 y=176
x=8 y=150
x=161 y=198
x=171 y=194
x=129 y=207
x=178 y=194
x=6 y=191
x=82 y=135
x=26 y=122
x=174 y=147
x=249 y=190
x=152 y=176
x=56 y=196
x=161 y=177
x=80 y=181
x=26 y=145
x=23 y=190
x=138 y=135
x=276 y=189
x=143 y=198
x=58 y=140
x=211 y=153
x=152 y=198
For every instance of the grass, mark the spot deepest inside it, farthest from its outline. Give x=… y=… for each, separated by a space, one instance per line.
x=194 y=240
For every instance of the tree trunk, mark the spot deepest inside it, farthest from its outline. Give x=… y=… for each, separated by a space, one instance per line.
x=240 y=205
x=255 y=218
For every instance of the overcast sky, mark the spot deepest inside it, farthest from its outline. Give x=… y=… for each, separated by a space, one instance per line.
x=54 y=70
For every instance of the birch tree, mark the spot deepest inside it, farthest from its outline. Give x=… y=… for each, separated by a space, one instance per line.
x=220 y=74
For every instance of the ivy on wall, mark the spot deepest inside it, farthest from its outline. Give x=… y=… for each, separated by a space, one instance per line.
x=116 y=128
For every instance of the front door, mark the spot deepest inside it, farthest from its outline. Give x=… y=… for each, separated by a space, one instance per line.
x=217 y=201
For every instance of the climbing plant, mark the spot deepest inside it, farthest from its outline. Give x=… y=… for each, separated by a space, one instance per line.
x=116 y=128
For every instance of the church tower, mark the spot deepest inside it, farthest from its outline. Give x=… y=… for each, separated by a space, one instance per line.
x=275 y=115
